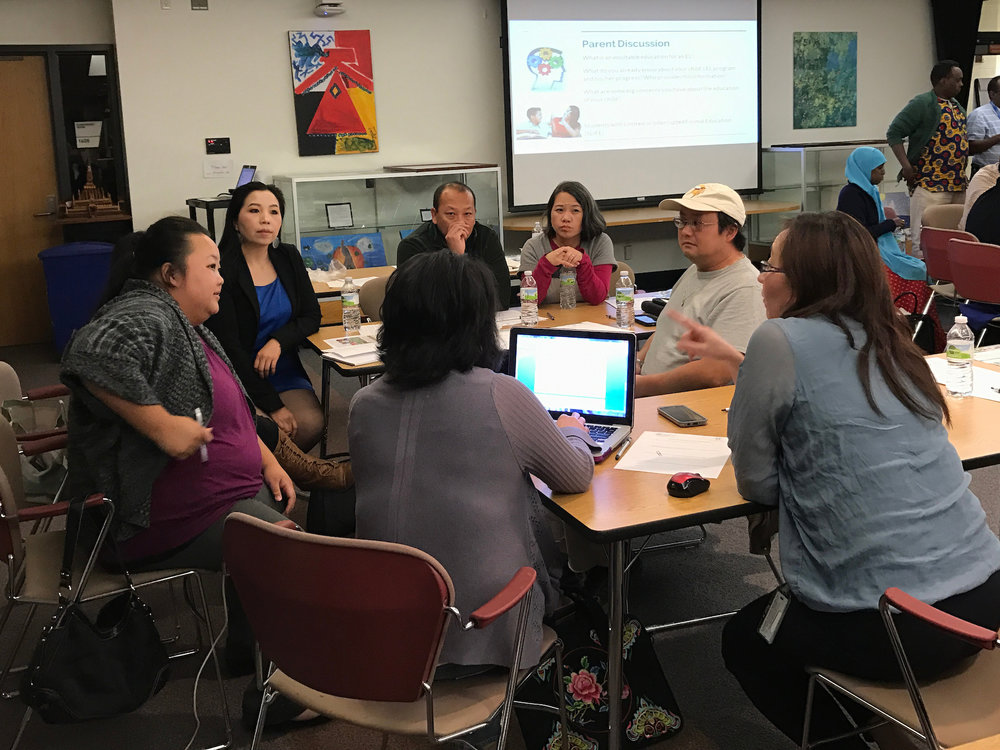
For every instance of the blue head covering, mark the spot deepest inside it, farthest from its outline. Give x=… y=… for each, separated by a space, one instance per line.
x=858 y=171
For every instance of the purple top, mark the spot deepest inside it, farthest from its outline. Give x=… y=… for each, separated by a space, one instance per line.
x=189 y=496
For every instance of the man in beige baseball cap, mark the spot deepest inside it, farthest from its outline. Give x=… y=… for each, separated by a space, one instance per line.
x=719 y=289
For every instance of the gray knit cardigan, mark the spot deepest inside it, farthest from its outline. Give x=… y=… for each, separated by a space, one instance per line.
x=140 y=347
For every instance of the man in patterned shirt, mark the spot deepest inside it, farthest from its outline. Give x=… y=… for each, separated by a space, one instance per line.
x=933 y=164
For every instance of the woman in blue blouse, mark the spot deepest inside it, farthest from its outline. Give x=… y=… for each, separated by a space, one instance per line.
x=267 y=309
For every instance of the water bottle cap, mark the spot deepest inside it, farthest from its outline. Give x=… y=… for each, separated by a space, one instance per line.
x=961 y=320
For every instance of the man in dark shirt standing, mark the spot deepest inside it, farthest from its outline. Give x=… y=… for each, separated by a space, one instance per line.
x=453 y=226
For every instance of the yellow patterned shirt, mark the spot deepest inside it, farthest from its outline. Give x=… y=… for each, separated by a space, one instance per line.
x=941 y=166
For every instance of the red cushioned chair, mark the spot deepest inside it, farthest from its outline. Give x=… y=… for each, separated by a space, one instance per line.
x=975 y=269
x=369 y=619
x=960 y=706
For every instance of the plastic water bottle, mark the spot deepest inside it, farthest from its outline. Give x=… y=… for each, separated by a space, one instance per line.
x=959 y=351
x=567 y=288
x=529 y=300
x=352 y=308
x=625 y=301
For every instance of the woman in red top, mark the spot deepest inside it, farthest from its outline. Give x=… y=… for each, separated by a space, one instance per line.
x=574 y=237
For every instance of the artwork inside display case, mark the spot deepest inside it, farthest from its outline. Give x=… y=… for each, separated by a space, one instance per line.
x=364 y=250
x=334 y=92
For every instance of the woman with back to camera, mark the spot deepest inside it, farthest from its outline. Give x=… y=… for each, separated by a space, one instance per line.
x=268 y=308
x=443 y=447
x=860 y=198
x=837 y=421
x=574 y=237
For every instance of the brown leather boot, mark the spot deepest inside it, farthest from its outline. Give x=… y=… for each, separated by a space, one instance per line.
x=309 y=472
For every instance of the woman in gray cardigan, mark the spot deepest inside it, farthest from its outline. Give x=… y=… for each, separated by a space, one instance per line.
x=443 y=447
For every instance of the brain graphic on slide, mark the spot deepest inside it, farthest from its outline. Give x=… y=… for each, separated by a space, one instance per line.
x=547 y=64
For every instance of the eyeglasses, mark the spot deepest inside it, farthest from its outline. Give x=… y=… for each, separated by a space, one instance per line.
x=766 y=267
x=695 y=225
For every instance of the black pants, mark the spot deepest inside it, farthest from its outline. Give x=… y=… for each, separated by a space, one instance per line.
x=774 y=676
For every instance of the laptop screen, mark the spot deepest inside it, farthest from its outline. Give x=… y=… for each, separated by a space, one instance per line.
x=590 y=372
x=246 y=174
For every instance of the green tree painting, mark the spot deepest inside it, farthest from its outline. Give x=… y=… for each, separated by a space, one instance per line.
x=824 y=79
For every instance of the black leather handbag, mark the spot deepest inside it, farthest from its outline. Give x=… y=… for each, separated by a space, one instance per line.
x=83 y=670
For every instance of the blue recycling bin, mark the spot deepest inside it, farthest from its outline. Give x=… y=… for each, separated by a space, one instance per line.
x=75 y=276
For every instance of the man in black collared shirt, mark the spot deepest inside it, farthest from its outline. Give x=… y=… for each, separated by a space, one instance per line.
x=453 y=226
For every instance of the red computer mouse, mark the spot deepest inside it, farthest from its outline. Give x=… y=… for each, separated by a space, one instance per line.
x=686 y=484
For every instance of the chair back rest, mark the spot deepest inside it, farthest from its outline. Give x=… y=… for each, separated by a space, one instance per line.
x=942 y=217
x=975 y=269
x=370 y=297
x=368 y=617
x=934 y=244
x=10 y=462
x=10 y=384
x=11 y=541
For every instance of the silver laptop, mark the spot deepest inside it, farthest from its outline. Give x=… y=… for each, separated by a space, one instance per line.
x=589 y=372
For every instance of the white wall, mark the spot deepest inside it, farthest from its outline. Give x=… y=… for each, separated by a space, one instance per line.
x=56 y=22
x=895 y=56
x=187 y=75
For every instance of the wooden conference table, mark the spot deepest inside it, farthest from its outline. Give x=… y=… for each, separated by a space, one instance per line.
x=549 y=316
x=329 y=298
x=622 y=505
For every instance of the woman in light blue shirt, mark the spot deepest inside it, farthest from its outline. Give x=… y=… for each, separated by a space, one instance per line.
x=837 y=421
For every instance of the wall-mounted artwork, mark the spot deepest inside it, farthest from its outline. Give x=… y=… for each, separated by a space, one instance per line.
x=824 y=79
x=334 y=92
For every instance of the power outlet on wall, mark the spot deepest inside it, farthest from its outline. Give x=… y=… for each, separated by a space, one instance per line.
x=166 y=5
x=627 y=252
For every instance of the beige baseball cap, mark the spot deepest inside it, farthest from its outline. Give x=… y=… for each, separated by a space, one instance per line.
x=709 y=196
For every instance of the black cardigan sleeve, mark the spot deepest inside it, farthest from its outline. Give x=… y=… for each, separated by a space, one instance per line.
x=855 y=202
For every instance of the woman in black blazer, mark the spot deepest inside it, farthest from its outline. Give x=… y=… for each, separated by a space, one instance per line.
x=266 y=310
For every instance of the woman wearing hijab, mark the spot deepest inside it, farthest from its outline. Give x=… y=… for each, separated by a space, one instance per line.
x=860 y=199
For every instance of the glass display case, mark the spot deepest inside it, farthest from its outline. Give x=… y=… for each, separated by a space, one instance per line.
x=811 y=175
x=360 y=218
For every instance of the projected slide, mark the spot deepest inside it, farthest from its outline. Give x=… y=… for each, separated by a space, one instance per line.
x=605 y=85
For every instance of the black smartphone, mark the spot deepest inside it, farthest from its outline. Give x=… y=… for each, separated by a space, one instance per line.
x=682 y=416
x=645 y=320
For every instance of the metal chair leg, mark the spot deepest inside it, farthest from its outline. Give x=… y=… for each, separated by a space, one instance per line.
x=8 y=665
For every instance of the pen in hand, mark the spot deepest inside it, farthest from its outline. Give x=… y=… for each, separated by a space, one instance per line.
x=625 y=445
x=201 y=421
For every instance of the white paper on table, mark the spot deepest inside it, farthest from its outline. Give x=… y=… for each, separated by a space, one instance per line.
x=511 y=317
x=588 y=326
x=359 y=282
x=669 y=452
x=989 y=354
x=370 y=329
x=985 y=382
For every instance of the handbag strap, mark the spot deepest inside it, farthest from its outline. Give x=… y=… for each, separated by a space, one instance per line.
x=74 y=526
x=895 y=302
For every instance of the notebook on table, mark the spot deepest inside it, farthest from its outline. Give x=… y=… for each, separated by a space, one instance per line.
x=589 y=372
